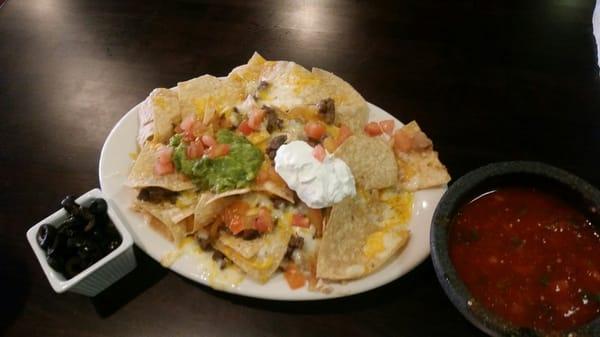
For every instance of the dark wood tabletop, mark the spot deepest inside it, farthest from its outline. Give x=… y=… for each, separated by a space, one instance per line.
x=487 y=80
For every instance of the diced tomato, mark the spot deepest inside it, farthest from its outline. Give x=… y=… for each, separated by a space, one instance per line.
x=186 y=124
x=314 y=130
x=188 y=136
x=195 y=149
x=402 y=141
x=387 y=126
x=234 y=216
x=217 y=150
x=163 y=168
x=319 y=153
x=208 y=140
x=244 y=128
x=345 y=132
x=263 y=222
x=237 y=224
x=164 y=155
x=197 y=129
x=300 y=220
x=256 y=118
x=294 y=277
x=373 y=129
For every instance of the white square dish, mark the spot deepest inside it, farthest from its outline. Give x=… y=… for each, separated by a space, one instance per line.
x=102 y=273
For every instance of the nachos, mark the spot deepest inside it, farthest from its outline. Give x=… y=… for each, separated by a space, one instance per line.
x=277 y=168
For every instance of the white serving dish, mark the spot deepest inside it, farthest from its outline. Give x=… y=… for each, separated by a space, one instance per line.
x=101 y=274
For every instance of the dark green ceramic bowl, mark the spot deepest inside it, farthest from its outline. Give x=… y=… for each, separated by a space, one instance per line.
x=580 y=193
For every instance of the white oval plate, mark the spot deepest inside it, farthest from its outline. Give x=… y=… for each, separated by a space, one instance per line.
x=115 y=162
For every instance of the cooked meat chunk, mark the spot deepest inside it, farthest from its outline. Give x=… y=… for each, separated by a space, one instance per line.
x=326 y=109
x=296 y=242
x=274 y=123
x=249 y=234
x=157 y=195
x=274 y=144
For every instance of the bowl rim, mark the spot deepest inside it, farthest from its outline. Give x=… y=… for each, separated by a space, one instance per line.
x=57 y=280
x=454 y=197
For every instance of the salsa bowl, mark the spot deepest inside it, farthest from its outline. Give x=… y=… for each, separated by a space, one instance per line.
x=476 y=184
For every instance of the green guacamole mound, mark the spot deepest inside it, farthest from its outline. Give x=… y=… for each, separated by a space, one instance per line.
x=237 y=169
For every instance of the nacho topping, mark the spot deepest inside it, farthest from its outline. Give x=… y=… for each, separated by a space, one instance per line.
x=237 y=168
x=318 y=183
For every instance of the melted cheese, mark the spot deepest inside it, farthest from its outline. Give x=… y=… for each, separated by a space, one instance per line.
x=257 y=138
x=396 y=214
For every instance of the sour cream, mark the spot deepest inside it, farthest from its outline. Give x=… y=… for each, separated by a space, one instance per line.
x=318 y=184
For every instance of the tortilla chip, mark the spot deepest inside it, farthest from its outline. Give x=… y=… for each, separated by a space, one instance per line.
x=362 y=233
x=248 y=75
x=350 y=108
x=246 y=248
x=167 y=212
x=210 y=205
x=267 y=259
x=289 y=85
x=271 y=188
x=419 y=169
x=207 y=96
x=167 y=219
x=145 y=132
x=159 y=113
x=142 y=172
x=371 y=160
x=159 y=227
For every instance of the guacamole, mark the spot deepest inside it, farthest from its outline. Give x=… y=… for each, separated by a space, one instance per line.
x=237 y=169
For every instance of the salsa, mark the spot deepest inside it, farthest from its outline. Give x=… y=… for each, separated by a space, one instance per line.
x=528 y=256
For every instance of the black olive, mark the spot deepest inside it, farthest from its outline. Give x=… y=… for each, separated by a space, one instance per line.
x=98 y=207
x=90 y=225
x=69 y=204
x=97 y=234
x=89 y=248
x=46 y=235
x=101 y=220
x=71 y=225
x=112 y=232
x=76 y=241
x=58 y=247
x=114 y=244
x=86 y=214
x=56 y=262
x=73 y=266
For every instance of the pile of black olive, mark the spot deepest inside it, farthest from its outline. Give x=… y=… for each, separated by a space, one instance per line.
x=85 y=237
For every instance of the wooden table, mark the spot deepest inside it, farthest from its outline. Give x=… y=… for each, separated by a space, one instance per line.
x=487 y=80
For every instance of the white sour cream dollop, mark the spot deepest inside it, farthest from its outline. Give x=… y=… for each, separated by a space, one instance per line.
x=318 y=184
